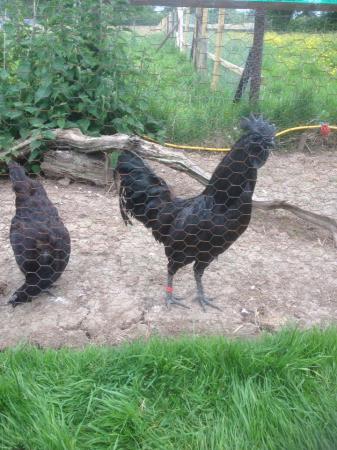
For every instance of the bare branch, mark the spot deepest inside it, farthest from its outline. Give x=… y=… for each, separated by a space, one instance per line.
x=319 y=220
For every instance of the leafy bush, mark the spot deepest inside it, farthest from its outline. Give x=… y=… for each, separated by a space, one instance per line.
x=305 y=21
x=313 y=23
x=73 y=71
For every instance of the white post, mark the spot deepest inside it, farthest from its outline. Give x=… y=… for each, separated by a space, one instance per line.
x=180 y=31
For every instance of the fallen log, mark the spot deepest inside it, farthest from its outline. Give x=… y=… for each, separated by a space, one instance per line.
x=74 y=139
x=82 y=157
x=77 y=167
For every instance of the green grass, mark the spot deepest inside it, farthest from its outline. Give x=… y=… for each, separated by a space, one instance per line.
x=299 y=85
x=178 y=96
x=191 y=393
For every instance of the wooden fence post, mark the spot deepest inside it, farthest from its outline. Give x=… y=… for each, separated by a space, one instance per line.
x=196 y=36
x=204 y=21
x=201 y=60
x=245 y=76
x=218 y=48
x=257 y=53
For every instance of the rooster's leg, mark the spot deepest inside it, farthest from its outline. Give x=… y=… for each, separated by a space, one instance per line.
x=200 y=292
x=170 y=298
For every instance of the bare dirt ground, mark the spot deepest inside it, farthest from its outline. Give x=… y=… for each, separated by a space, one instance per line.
x=281 y=270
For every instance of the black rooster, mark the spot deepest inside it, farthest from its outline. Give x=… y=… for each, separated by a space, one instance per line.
x=197 y=229
x=40 y=241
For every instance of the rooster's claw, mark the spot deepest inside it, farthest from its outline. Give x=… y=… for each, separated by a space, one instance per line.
x=172 y=300
x=207 y=301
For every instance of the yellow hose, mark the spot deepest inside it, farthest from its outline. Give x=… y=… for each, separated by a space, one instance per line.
x=304 y=127
x=190 y=147
x=213 y=149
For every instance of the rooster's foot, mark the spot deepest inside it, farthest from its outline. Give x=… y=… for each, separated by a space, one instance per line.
x=173 y=300
x=206 y=301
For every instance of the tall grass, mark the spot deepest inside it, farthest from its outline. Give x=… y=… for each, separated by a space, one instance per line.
x=299 y=84
x=178 y=96
x=191 y=393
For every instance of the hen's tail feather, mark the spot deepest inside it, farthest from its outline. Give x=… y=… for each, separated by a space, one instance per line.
x=141 y=191
x=17 y=175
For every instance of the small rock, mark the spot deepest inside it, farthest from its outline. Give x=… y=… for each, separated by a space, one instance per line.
x=3 y=288
x=60 y=300
x=64 y=181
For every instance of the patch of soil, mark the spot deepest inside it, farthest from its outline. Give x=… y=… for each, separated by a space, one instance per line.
x=281 y=270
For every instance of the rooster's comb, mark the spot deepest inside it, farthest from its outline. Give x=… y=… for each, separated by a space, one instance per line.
x=258 y=125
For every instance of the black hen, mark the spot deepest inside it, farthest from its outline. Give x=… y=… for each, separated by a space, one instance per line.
x=197 y=229
x=40 y=241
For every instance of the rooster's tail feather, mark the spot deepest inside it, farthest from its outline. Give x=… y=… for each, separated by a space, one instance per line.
x=141 y=191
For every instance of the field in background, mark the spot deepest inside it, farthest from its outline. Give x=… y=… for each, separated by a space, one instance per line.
x=299 y=85
x=197 y=393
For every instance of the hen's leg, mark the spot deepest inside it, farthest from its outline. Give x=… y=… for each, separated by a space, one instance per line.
x=202 y=299
x=170 y=299
x=20 y=296
x=33 y=286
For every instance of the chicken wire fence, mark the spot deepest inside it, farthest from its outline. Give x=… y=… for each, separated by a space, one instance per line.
x=183 y=76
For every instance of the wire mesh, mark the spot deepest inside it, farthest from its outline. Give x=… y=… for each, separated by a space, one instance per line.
x=184 y=76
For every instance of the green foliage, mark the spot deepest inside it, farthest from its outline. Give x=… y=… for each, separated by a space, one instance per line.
x=73 y=71
x=142 y=15
x=278 y=392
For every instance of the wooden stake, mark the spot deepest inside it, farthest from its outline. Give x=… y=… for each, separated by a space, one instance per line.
x=218 y=48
